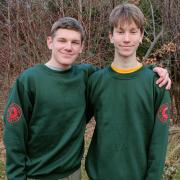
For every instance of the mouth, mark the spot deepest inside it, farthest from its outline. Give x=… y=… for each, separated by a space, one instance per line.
x=66 y=54
x=127 y=46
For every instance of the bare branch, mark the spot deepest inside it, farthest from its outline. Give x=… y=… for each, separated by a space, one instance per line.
x=153 y=22
x=80 y=11
x=153 y=44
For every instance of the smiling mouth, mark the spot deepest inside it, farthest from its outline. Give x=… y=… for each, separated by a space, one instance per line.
x=65 y=54
x=127 y=46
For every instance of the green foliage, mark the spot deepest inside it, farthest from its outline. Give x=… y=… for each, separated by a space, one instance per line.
x=84 y=174
x=172 y=172
x=2 y=171
x=177 y=175
x=169 y=172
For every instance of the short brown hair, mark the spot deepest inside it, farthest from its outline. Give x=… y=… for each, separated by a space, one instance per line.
x=68 y=23
x=126 y=13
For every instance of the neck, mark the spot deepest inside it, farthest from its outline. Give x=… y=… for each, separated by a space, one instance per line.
x=53 y=64
x=125 y=62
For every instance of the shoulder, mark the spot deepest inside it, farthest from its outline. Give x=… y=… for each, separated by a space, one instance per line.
x=88 y=68
x=150 y=77
x=98 y=76
x=29 y=76
x=31 y=72
x=149 y=73
x=100 y=72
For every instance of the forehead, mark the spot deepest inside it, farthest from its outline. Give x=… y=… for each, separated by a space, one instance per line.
x=127 y=24
x=68 y=34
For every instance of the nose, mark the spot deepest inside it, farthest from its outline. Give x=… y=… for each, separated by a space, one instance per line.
x=68 y=46
x=126 y=37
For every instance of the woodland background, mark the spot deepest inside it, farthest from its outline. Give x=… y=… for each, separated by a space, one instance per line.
x=25 y=24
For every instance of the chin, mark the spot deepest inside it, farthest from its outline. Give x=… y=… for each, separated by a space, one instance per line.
x=126 y=54
x=67 y=63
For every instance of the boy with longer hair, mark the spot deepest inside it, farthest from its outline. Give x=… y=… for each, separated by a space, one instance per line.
x=45 y=113
x=131 y=112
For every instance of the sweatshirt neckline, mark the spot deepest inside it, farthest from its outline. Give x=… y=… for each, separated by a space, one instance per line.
x=52 y=71
x=118 y=75
x=126 y=71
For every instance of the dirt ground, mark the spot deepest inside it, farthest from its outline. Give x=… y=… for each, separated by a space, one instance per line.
x=2 y=150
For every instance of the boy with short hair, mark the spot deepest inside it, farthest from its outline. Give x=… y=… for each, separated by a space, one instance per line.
x=131 y=112
x=45 y=114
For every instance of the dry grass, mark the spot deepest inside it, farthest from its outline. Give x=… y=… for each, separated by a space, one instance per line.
x=172 y=166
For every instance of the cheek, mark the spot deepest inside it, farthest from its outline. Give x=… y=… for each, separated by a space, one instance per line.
x=137 y=40
x=116 y=39
x=78 y=50
x=58 y=46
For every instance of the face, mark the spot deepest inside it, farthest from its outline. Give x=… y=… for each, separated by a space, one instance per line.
x=126 y=39
x=66 y=45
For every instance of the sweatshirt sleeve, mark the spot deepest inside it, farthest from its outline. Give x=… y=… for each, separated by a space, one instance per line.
x=159 y=139
x=92 y=69
x=150 y=66
x=16 y=116
x=89 y=108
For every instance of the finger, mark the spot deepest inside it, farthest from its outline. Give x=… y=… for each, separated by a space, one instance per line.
x=165 y=71
x=168 y=86
x=164 y=75
x=158 y=70
x=164 y=81
x=159 y=80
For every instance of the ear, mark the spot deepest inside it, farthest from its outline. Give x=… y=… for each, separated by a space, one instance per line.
x=111 y=37
x=82 y=46
x=49 y=42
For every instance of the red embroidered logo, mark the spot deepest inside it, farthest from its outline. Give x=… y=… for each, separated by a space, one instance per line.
x=13 y=113
x=163 y=114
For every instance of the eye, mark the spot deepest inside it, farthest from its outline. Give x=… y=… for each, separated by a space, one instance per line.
x=133 y=32
x=76 y=42
x=61 y=40
x=120 y=32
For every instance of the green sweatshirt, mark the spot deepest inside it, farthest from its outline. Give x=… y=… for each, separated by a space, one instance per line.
x=132 y=118
x=45 y=123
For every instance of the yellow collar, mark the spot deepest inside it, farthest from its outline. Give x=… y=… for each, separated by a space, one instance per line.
x=126 y=71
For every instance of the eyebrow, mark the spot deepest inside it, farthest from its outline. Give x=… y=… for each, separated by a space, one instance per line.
x=66 y=39
x=133 y=28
